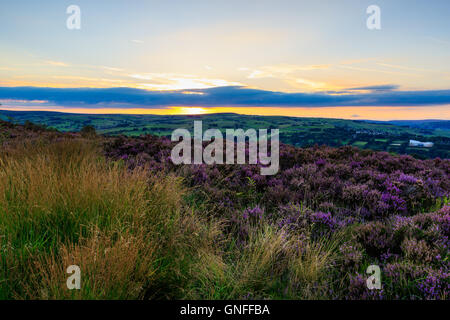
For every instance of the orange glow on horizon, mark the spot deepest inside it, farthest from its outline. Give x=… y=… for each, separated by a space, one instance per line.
x=354 y=113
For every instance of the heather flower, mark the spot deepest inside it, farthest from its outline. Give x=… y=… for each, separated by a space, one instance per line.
x=418 y=251
x=321 y=162
x=435 y=285
x=255 y=212
x=388 y=256
x=323 y=219
x=327 y=206
x=351 y=255
x=375 y=237
x=401 y=223
x=358 y=290
x=409 y=179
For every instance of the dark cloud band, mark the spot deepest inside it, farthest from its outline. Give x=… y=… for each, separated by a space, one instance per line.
x=220 y=97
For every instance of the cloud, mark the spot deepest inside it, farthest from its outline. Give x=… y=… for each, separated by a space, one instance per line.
x=112 y=69
x=231 y=96
x=170 y=81
x=385 y=87
x=56 y=63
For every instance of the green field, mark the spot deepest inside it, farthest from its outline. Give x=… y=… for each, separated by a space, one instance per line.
x=375 y=135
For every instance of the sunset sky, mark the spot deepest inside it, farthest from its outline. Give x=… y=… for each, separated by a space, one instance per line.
x=296 y=58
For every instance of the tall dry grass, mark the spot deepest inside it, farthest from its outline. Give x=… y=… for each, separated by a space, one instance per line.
x=272 y=264
x=111 y=268
x=63 y=204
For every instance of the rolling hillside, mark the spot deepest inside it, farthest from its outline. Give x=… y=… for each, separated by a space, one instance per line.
x=302 y=132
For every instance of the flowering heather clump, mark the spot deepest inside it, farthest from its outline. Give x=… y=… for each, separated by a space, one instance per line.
x=418 y=251
x=416 y=281
x=376 y=182
x=255 y=213
x=357 y=289
x=293 y=217
x=407 y=179
x=436 y=285
x=322 y=223
x=376 y=238
x=427 y=232
x=401 y=279
x=391 y=210
x=351 y=256
x=317 y=224
x=324 y=219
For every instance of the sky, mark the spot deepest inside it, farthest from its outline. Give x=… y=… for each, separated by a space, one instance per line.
x=296 y=58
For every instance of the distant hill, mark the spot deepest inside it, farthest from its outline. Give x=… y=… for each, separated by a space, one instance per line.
x=392 y=136
x=425 y=124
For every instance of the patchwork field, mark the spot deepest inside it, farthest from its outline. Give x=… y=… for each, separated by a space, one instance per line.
x=301 y=132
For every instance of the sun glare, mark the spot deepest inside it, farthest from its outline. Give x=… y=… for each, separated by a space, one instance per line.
x=190 y=110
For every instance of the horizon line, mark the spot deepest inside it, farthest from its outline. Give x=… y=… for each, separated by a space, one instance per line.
x=212 y=114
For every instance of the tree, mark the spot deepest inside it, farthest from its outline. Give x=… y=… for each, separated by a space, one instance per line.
x=88 y=131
